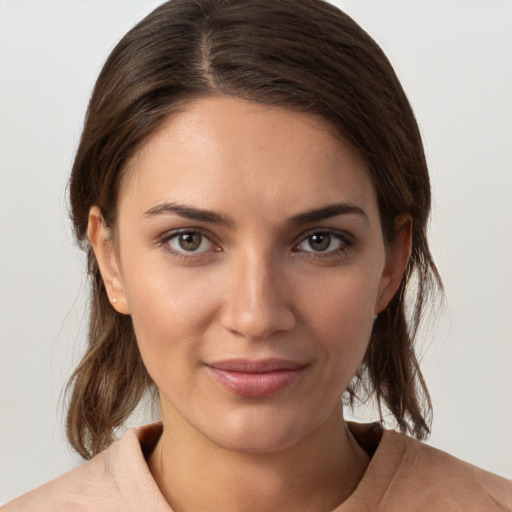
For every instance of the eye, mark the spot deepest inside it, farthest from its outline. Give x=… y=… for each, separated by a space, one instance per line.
x=323 y=241
x=189 y=242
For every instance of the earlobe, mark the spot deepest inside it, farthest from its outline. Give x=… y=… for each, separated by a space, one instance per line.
x=104 y=250
x=397 y=258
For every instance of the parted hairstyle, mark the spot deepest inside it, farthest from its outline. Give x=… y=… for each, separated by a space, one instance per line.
x=306 y=56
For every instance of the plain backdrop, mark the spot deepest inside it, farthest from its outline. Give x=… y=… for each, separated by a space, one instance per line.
x=454 y=58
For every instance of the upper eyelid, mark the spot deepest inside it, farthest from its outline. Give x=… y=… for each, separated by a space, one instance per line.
x=296 y=240
x=332 y=231
x=192 y=256
x=175 y=232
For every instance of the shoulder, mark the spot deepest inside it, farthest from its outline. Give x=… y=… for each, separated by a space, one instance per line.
x=117 y=479
x=406 y=474
x=452 y=481
x=76 y=490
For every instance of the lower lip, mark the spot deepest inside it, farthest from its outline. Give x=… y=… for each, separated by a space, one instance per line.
x=255 y=385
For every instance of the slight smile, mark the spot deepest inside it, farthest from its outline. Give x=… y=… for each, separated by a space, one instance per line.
x=253 y=378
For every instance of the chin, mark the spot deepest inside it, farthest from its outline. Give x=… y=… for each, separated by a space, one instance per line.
x=258 y=430
x=257 y=441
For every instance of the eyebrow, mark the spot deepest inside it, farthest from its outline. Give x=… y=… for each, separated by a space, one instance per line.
x=189 y=213
x=330 y=210
x=199 y=214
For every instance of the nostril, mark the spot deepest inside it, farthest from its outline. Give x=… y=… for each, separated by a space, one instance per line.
x=257 y=303
x=255 y=324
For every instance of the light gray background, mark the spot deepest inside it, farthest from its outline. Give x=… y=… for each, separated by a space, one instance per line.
x=454 y=58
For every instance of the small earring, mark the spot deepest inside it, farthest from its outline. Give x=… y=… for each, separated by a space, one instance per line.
x=114 y=300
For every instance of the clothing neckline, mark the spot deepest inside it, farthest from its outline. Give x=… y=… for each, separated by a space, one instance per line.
x=380 y=444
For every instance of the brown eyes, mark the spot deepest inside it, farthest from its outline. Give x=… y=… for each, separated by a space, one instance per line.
x=190 y=241
x=322 y=242
x=194 y=242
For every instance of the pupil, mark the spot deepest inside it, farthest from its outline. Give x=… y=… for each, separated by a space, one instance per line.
x=320 y=242
x=190 y=241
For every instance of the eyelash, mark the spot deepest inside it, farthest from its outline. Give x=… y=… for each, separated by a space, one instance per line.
x=344 y=238
x=165 y=240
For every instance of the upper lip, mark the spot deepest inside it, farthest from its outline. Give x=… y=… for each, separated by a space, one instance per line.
x=256 y=365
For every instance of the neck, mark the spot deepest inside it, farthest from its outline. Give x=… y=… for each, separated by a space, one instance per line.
x=318 y=473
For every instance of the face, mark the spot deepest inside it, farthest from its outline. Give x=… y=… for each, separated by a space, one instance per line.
x=249 y=253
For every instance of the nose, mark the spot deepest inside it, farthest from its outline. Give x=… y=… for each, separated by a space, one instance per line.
x=258 y=302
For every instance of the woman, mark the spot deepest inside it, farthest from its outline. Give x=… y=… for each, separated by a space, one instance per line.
x=253 y=196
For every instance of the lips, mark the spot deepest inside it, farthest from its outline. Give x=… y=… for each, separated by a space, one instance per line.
x=255 y=379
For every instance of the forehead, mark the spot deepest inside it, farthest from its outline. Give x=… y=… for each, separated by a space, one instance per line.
x=220 y=151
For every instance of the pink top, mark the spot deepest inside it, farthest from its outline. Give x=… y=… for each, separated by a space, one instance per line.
x=403 y=475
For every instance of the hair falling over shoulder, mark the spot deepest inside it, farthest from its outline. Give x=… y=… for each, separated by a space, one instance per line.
x=306 y=56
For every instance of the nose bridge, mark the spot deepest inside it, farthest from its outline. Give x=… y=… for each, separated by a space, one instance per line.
x=254 y=282
x=257 y=304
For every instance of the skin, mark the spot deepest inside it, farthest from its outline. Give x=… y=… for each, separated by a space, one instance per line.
x=256 y=287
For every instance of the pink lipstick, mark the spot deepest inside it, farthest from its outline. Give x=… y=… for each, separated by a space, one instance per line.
x=255 y=379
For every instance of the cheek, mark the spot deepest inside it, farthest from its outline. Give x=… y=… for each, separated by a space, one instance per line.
x=347 y=297
x=342 y=312
x=170 y=310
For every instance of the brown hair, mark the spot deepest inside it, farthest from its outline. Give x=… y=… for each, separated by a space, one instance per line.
x=306 y=56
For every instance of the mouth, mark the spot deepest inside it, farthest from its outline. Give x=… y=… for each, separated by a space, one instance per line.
x=255 y=378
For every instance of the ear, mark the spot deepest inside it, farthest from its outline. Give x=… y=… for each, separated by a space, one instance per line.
x=397 y=257
x=104 y=249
